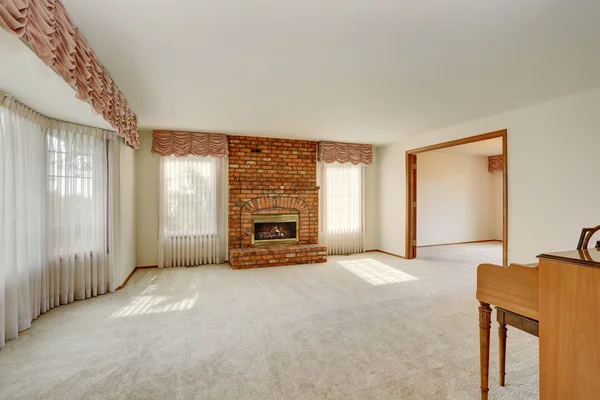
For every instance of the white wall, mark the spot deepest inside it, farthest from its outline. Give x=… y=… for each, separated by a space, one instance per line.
x=553 y=160
x=497 y=205
x=455 y=199
x=372 y=204
x=146 y=195
x=147 y=201
x=127 y=213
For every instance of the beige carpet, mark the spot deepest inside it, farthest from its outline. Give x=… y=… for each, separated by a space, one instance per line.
x=360 y=327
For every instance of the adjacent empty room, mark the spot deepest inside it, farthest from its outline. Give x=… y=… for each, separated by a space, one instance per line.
x=460 y=199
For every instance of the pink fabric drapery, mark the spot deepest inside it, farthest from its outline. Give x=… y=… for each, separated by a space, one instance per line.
x=330 y=152
x=181 y=144
x=495 y=163
x=46 y=26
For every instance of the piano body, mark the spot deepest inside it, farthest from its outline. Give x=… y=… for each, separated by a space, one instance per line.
x=559 y=299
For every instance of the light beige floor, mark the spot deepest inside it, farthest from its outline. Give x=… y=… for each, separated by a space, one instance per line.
x=367 y=326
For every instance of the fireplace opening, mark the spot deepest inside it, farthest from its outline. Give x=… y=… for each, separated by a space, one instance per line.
x=275 y=229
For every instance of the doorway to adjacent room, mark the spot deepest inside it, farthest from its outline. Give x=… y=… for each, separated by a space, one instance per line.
x=460 y=203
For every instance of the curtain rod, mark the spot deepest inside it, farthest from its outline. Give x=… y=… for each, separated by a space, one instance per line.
x=25 y=111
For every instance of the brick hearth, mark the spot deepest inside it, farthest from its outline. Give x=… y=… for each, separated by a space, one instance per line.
x=276 y=256
x=272 y=176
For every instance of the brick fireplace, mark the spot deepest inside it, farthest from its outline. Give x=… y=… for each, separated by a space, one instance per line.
x=273 y=177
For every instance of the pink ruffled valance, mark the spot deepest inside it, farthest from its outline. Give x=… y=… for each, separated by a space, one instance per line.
x=181 y=144
x=330 y=152
x=46 y=26
x=495 y=163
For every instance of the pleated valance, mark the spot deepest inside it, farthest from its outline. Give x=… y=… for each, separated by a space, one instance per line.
x=46 y=26
x=496 y=163
x=330 y=152
x=181 y=144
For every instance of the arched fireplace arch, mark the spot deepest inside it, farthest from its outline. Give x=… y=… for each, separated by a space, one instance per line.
x=279 y=205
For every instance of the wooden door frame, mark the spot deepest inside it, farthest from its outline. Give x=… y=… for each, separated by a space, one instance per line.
x=411 y=188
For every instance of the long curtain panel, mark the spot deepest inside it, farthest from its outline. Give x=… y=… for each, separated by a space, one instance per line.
x=54 y=209
x=193 y=211
x=341 y=207
x=80 y=264
x=22 y=219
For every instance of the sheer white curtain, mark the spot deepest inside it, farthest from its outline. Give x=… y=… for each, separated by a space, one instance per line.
x=193 y=211
x=81 y=262
x=22 y=218
x=54 y=205
x=341 y=207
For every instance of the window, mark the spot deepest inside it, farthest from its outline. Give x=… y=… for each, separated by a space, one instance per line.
x=190 y=196
x=77 y=171
x=344 y=197
x=193 y=211
x=341 y=208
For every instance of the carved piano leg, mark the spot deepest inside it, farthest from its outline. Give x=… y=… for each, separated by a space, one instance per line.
x=502 y=347
x=485 y=324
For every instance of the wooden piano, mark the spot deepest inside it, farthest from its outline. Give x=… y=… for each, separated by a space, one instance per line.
x=559 y=300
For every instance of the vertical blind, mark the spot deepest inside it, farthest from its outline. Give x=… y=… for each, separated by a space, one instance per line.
x=341 y=207
x=193 y=213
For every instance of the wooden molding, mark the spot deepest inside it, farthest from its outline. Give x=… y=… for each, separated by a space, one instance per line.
x=411 y=188
x=458 y=142
x=389 y=254
x=505 y=199
x=133 y=272
x=452 y=244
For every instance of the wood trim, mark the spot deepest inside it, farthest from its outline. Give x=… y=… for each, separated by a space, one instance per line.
x=407 y=248
x=127 y=279
x=133 y=272
x=389 y=254
x=458 y=142
x=411 y=219
x=505 y=198
x=509 y=305
x=567 y=260
x=452 y=244
x=411 y=214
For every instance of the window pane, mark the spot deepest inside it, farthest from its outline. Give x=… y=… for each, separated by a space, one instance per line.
x=190 y=196
x=72 y=201
x=343 y=185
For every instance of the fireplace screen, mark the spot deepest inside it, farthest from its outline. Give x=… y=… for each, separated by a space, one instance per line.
x=275 y=229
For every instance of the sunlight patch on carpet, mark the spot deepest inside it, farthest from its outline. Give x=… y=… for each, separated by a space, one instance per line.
x=375 y=272
x=147 y=303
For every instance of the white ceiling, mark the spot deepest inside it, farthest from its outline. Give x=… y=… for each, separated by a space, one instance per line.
x=26 y=77
x=352 y=70
x=490 y=147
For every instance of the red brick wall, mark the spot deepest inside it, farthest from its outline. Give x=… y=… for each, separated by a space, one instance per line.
x=277 y=256
x=271 y=175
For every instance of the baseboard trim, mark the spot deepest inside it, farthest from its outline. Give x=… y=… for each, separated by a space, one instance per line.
x=133 y=272
x=389 y=254
x=452 y=244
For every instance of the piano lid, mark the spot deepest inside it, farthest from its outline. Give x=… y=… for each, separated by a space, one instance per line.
x=587 y=257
